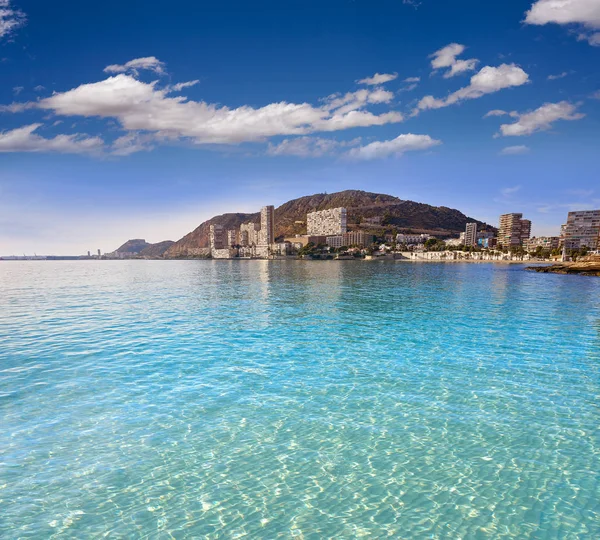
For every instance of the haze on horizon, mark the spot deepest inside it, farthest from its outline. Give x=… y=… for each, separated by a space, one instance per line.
x=142 y=121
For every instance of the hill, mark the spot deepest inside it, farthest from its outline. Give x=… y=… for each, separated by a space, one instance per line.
x=156 y=250
x=371 y=212
x=133 y=246
x=140 y=247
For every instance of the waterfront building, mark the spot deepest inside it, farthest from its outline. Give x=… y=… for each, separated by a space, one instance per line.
x=232 y=238
x=355 y=238
x=582 y=229
x=471 y=234
x=217 y=237
x=249 y=234
x=330 y=222
x=545 y=242
x=302 y=240
x=267 y=226
x=513 y=231
x=412 y=239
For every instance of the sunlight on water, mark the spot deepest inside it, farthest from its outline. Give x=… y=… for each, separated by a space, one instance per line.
x=297 y=399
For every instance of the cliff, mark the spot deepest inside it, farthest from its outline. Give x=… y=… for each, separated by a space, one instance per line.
x=371 y=212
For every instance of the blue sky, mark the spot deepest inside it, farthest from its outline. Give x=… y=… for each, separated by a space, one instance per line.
x=142 y=119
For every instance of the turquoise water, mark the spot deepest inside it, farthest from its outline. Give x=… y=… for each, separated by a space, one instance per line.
x=227 y=399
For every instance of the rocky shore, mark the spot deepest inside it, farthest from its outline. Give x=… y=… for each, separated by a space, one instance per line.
x=582 y=268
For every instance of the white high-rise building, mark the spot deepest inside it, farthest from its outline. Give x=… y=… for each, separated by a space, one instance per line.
x=330 y=222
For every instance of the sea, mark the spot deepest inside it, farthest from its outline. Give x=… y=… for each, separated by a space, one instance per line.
x=298 y=399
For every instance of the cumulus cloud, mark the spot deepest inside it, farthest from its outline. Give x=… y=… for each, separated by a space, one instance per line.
x=140 y=106
x=446 y=57
x=396 y=147
x=10 y=19
x=541 y=119
x=584 y=14
x=514 y=150
x=378 y=78
x=487 y=81
x=149 y=63
x=24 y=139
x=308 y=147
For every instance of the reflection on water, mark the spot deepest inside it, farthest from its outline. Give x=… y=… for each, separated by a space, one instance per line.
x=297 y=398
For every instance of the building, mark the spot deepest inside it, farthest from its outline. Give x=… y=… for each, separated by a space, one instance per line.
x=249 y=234
x=412 y=239
x=582 y=229
x=330 y=222
x=301 y=240
x=267 y=226
x=471 y=234
x=545 y=242
x=232 y=238
x=357 y=238
x=217 y=237
x=513 y=231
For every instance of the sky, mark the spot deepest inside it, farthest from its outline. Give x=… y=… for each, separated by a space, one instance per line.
x=141 y=119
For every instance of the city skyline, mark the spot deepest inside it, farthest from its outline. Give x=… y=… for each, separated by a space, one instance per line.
x=489 y=109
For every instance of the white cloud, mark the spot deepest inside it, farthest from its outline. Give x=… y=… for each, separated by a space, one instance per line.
x=446 y=58
x=39 y=88
x=378 y=78
x=412 y=80
x=308 y=147
x=17 y=90
x=180 y=86
x=131 y=143
x=139 y=106
x=24 y=139
x=584 y=13
x=541 y=119
x=558 y=76
x=495 y=112
x=508 y=191
x=514 y=150
x=488 y=80
x=396 y=147
x=10 y=19
x=596 y=95
x=149 y=63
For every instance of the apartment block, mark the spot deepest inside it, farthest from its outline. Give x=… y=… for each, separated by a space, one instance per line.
x=358 y=238
x=267 y=225
x=513 y=231
x=232 y=238
x=249 y=234
x=412 y=239
x=327 y=222
x=217 y=237
x=471 y=234
x=582 y=229
x=545 y=242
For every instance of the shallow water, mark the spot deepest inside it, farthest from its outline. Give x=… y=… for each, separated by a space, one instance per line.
x=159 y=399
